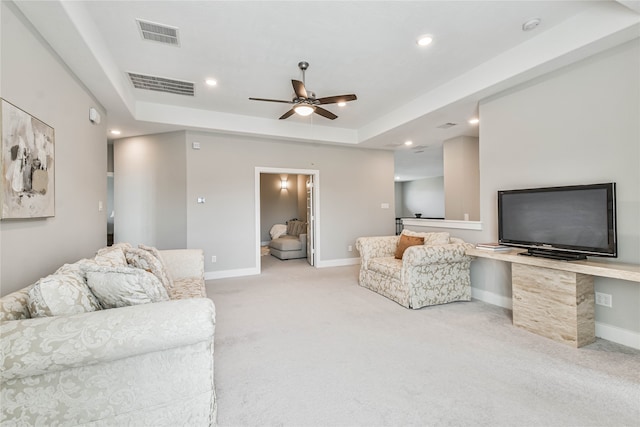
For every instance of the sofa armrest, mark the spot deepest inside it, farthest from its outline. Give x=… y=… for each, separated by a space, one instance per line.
x=375 y=247
x=436 y=254
x=37 y=346
x=184 y=263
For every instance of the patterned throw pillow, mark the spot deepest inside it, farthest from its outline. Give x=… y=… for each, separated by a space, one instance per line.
x=430 y=239
x=406 y=241
x=60 y=294
x=111 y=256
x=155 y=252
x=123 y=286
x=141 y=258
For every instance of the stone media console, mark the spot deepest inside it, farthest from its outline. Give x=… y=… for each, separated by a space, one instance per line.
x=556 y=299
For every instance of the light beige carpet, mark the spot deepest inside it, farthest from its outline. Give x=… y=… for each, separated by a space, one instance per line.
x=299 y=346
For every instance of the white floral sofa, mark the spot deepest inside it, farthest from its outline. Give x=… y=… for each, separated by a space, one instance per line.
x=434 y=271
x=125 y=338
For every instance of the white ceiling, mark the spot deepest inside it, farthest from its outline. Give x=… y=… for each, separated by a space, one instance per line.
x=252 y=49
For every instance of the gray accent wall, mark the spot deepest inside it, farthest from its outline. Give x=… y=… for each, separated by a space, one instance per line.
x=37 y=81
x=578 y=125
x=425 y=196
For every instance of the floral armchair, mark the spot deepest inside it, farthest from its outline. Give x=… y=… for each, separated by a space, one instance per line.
x=434 y=272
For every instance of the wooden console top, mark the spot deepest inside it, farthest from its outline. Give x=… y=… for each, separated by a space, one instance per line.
x=613 y=270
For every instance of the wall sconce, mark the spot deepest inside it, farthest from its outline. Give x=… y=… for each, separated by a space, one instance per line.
x=284 y=184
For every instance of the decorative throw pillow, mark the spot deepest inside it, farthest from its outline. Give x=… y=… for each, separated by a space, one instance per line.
x=430 y=239
x=60 y=294
x=406 y=241
x=147 y=260
x=123 y=286
x=111 y=256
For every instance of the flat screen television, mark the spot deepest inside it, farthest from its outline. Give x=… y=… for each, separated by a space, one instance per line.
x=570 y=222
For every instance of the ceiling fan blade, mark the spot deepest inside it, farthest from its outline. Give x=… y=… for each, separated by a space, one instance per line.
x=336 y=99
x=287 y=114
x=298 y=88
x=271 y=100
x=325 y=113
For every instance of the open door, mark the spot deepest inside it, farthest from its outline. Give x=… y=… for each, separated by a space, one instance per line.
x=310 y=221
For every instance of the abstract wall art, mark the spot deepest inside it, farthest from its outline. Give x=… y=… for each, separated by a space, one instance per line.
x=28 y=181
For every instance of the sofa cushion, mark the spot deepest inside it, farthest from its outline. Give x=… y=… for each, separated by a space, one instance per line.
x=286 y=243
x=430 y=239
x=188 y=287
x=61 y=294
x=146 y=260
x=123 y=286
x=405 y=241
x=388 y=266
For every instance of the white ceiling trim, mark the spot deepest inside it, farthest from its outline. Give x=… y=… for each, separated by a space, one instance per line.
x=532 y=58
x=239 y=124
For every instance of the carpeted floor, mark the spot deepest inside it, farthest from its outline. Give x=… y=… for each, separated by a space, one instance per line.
x=299 y=346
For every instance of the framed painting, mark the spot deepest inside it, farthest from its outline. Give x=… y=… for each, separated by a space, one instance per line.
x=28 y=180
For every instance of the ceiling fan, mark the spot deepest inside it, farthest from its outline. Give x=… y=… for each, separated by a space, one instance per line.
x=305 y=102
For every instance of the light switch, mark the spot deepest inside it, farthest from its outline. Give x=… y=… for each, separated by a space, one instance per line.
x=201 y=200
x=385 y=206
x=100 y=207
x=195 y=145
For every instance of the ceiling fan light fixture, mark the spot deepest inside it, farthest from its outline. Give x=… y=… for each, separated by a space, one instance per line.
x=342 y=103
x=304 y=109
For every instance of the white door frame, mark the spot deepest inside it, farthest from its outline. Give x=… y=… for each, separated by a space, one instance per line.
x=315 y=213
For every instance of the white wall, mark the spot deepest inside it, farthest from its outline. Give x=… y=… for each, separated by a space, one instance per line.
x=579 y=125
x=150 y=185
x=37 y=81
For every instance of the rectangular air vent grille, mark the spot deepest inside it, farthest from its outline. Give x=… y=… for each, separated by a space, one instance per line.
x=161 y=84
x=158 y=32
x=447 y=125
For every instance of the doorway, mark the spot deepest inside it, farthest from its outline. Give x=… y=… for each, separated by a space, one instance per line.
x=308 y=194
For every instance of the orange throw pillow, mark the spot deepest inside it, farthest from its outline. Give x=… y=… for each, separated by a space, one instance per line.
x=406 y=241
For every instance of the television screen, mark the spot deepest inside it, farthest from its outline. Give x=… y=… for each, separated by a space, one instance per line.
x=573 y=219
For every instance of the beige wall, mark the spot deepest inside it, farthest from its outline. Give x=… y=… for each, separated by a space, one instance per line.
x=277 y=206
x=461 y=178
x=353 y=185
x=36 y=80
x=150 y=184
x=425 y=196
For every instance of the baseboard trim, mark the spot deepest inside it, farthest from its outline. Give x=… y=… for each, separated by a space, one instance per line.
x=606 y=332
x=491 y=298
x=210 y=275
x=338 y=262
x=618 y=335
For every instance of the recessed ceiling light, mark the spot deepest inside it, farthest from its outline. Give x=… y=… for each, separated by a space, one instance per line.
x=341 y=104
x=474 y=121
x=211 y=82
x=424 y=40
x=408 y=143
x=115 y=132
x=531 y=24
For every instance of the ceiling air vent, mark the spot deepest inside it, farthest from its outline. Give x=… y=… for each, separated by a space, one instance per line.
x=447 y=125
x=161 y=84
x=158 y=32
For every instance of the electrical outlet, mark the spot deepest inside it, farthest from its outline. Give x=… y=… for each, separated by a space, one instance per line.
x=604 y=299
x=350 y=248
x=214 y=258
